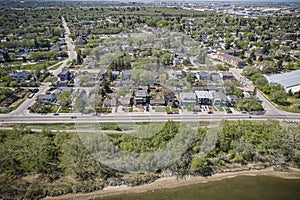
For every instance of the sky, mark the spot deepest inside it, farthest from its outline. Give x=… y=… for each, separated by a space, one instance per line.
x=298 y=1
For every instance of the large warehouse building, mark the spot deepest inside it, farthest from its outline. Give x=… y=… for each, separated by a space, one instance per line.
x=290 y=81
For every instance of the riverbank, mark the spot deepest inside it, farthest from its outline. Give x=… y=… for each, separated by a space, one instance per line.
x=172 y=182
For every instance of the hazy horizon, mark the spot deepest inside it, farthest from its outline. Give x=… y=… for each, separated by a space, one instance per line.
x=258 y=1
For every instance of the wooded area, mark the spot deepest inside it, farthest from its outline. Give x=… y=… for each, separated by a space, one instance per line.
x=33 y=165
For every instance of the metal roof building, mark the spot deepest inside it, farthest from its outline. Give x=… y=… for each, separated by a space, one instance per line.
x=290 y=81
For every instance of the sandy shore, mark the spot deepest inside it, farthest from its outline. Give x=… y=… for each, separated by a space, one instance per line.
x=172 y=182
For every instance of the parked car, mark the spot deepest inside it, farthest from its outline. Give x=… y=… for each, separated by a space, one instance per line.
x=35 y=90
x=210 y=112
x=31 y=95
x=228 y=111
x=94 y=114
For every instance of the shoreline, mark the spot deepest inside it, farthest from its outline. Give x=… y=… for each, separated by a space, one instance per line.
x=172 y=182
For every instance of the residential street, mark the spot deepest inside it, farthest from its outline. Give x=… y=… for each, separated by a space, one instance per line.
x=21 y=110
x=268 y=106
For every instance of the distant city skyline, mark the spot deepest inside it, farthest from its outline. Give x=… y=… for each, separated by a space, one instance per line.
x=257 y=1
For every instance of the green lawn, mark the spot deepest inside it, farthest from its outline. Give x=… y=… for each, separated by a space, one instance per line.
x=220 y=108
x=55 y=66
x=292 y=106
x=160 y=109
x=175 y=110
x=36 y=66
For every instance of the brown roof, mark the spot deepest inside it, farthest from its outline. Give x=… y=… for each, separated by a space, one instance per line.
x=158 y=101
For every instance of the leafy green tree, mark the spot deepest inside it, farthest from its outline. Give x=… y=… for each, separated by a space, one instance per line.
x=79 y=104
x=6 y=57
x=238 y=92
x=249 y=71
x=79 y=59
x=199 y=165
x=261 y=82
x=13 y=84
x=65 y=98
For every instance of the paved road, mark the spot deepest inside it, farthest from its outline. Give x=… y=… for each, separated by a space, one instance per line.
x=268 y=106
x=21 y=110
x=140 y=117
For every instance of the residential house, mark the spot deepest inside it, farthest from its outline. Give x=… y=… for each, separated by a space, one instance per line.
x=157 y=102
x=54 y=48
x=47 y=98
x=178 y=75
x=128 y=83
x=65 y=75
x=257 y=55
x=62 y=41
x=219 y=98
x=143 y=87
x=115 y=74
x=126 y=74
x=19 y=76
x=141 y=97
x=205 y=88
x=62 y=83
x=212 y=49
x=110 y=102
x=204 y=97
x=246 y=94
x=232 y=52
x=227 y=75
x=235 y=61
x=103 y=74
x=215 y=77
x=88 y=62
x=125 y=101
x=188 y=98
x=176 y=61
x=193 y=74
x=203 y=76
x=233 y=99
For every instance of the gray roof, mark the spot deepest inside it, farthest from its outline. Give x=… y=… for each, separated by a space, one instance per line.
x=203 y=73
x=219 y=95
x=141 y=93
x=287 y=79
x=187 y=95
x=204 y=94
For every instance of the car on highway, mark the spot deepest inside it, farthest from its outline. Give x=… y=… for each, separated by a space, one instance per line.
x=55 y=114
x=169 y=112
x=73 y=117
x=210 y=112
